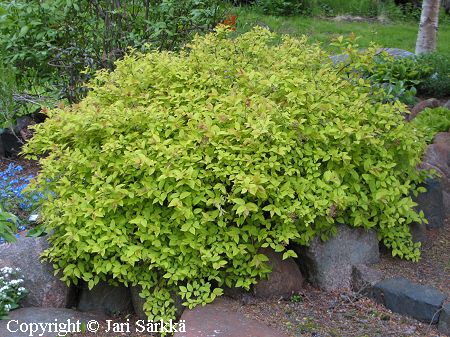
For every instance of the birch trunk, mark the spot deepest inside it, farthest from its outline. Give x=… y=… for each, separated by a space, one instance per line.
x=426 y=39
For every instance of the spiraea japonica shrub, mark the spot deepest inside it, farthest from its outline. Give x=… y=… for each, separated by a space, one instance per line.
x=178 y=167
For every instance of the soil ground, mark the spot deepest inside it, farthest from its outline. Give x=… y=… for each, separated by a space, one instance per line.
x=322 y=314
x=29 y=166
x=432 y=269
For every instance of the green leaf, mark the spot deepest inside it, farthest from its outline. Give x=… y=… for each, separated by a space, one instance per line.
x=23 y=31
x=289 y=253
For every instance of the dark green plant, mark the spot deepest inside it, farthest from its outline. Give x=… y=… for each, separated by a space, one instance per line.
x=178 y=167
x=15 y=100
x=401 y=12
x=7 y=90
x=52 y=42
x=432 y=121
x=399 y=77
x=391 y=70
x=437 y=84
x=282 y=7
x=366 y=8
x=8 y=225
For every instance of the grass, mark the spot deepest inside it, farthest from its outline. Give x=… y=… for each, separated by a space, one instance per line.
x=394 y=34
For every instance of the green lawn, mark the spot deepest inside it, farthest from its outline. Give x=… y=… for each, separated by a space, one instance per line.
x=395 y=35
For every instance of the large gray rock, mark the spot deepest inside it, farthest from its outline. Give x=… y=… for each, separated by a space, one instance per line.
x=398 y=53
x=105 y=298
x=405 y=297
x=395 y=52
x=444 y=320
x=447 y=105
x=45 y=290
x=284 y=280
x=432 y=203
x=328 y=264
x=43 y=316
x=138 y=303
x=10 y=145
x=418 y=232
x=446 y=202
x=437 y=157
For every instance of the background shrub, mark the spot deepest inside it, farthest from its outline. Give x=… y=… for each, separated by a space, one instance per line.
x=403 y=78
x=7 y=89
x=51 y=43
x=178 y=167
x=365 y=8
x=437 y=84
x=368 y=8
x=283 y=7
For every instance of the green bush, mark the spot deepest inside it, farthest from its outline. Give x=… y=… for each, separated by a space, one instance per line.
x=432 y=121
x=14 y=101
x=53 y=42
x=437 y=84
x=178 y=167
x=7 y=90
x=282 y=7
x=368 y=8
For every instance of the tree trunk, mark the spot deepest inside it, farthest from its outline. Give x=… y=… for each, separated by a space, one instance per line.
x=426 y=40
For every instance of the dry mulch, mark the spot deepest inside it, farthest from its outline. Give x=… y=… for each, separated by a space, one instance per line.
x=30 y=167
x=322 y=314
x=432 y=269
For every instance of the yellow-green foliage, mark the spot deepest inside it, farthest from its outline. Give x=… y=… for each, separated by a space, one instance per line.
x=178 y=167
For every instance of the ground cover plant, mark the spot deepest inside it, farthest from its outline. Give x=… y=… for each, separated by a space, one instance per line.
x=432 y=121
x=178 y=167
x=398 y=77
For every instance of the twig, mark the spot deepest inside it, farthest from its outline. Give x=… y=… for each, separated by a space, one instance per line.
x=38 y=100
